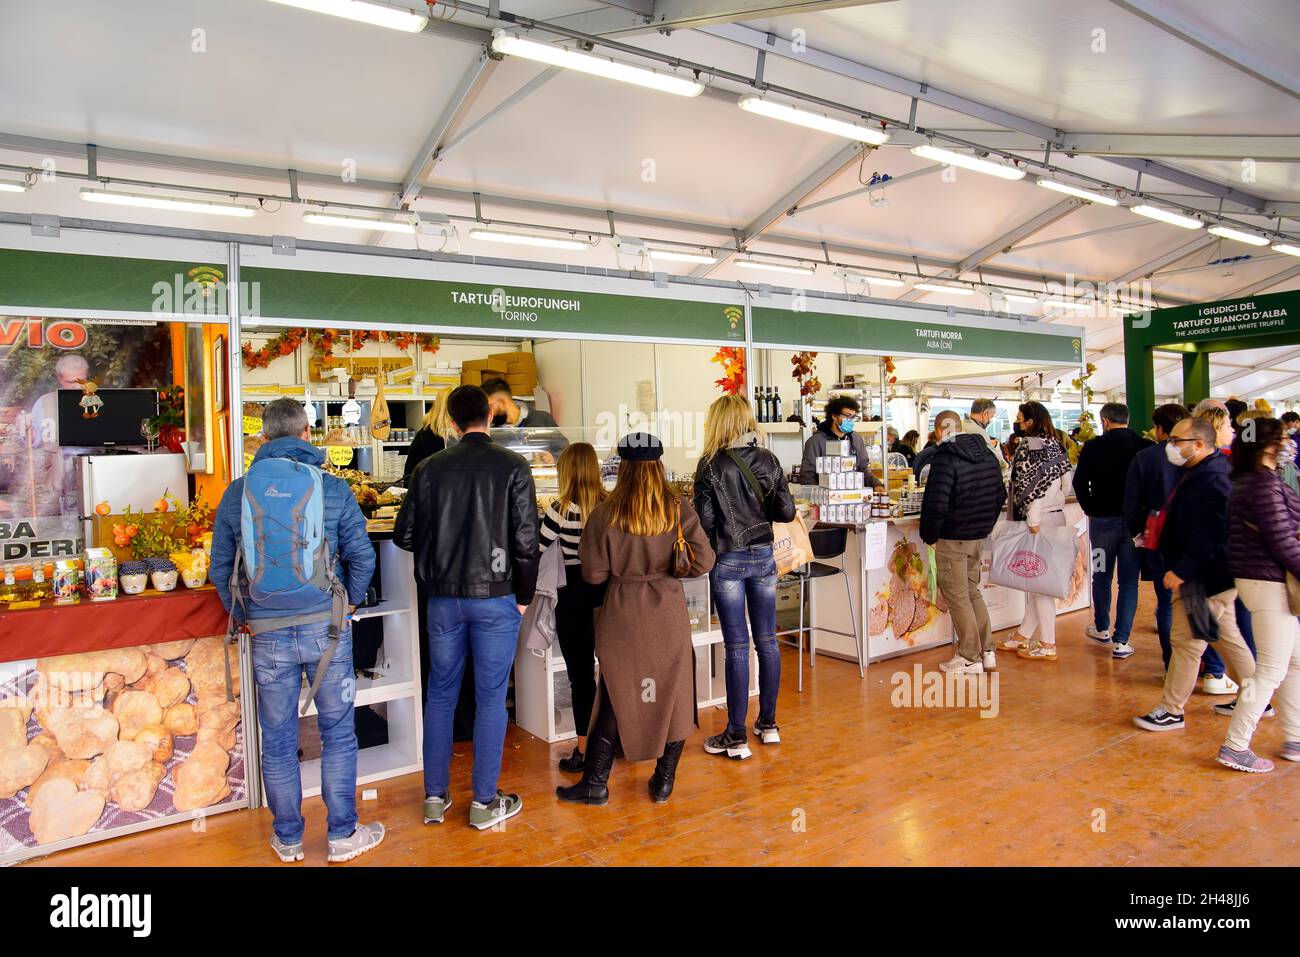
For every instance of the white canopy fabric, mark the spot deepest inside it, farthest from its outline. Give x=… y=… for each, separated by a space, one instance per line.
x=231 y=94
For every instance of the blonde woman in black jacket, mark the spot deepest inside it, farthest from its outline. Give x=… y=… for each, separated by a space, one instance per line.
x=740 y=489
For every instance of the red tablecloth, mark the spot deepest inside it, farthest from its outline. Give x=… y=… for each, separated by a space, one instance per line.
x=92 y=626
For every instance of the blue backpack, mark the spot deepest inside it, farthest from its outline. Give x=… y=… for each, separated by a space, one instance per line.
x=284 y=556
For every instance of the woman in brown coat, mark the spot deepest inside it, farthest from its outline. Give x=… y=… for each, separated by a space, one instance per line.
x=646 y=697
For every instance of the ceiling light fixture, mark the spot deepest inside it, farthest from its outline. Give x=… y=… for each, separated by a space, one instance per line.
x=508 y=44
x=1076 y=191
x=1168 y=216
x=1068 y=304
x=1238 y=235
x=811 y=120
x=965 y=161
x=526 y=239
x=1020 y=297
x=679 y=256
x=775 y=267
x=950 y=290
x=852 y=275
x=376 y=14
x=1287 y=248
x=359 y=222
x=166 y=202
x=9 y=186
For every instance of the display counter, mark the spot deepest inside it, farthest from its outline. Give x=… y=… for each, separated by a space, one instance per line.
x=891 y=597
x=114 y=718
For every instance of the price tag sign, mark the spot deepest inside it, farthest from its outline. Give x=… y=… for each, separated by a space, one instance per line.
x=248 y=460
x=876 y=544
x=340 y=455
x=252 y=426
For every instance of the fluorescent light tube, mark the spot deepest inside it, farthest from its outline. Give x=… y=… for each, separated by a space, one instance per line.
x=1227 y=232
x=966 y=161
x=379 y=15
x=812 y=121
x=358 y=222
x=1288 y=248
x=1168 y=216
x=1076 y=191
x=950 y=290
x=526 y=239
x=1069 y=304
x=675 y=256
x=9 y=186
x=166 y=202
x=1019 y=297
x=511 y=45
x=775 y=267
x=851 y=275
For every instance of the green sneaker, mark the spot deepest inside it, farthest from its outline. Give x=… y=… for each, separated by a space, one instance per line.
x=436 y=807
x=497 y=811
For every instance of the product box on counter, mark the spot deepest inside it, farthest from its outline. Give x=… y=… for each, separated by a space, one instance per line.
x=839 y=448
x=844 y=514
x=840 y=480
x=836 y=463
x=818 y=495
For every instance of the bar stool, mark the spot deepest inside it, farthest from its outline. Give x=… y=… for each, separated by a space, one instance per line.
x=827 y=542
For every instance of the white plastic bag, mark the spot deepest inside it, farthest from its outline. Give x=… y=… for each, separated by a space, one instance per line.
x=1041 y=564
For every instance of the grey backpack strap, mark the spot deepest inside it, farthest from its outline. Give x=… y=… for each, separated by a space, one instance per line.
x=236 y=599
x=338 y=619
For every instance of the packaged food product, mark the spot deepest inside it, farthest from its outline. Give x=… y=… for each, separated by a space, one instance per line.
x=9 y=590
x=101 y=574
x=163 y=573
x=66 y=582
x=134 y=577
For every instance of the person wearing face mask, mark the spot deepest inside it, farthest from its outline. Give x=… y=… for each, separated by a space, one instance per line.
x=842 y=416
x=947 y=424
x=982 y=414
x=1194 y=551
x=1040 y=481
x=963 y=498
x=1150 y=481
x=1263 y=523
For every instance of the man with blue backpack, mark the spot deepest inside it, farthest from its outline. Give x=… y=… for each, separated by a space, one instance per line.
x=291 y=560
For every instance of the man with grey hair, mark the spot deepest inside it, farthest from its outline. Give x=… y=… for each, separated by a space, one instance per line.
x=60 y=476
x=286 y=642
x=1099 y=481
x=982 y=414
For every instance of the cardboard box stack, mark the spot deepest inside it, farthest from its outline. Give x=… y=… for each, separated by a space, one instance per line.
x=520 y=371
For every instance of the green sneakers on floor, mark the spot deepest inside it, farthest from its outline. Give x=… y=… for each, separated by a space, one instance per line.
x=436 y=807
x=500 y=809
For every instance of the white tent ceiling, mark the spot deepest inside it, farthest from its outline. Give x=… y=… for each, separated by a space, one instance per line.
x=1195 y=87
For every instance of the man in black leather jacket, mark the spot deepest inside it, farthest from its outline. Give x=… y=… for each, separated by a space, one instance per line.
x=470 y=518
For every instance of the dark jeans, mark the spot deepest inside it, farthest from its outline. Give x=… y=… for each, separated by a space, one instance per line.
x=463 y=723
x=1113 y=553
x=739 y=579
x=575 y=628
x=1165 y=620
x=491 y=627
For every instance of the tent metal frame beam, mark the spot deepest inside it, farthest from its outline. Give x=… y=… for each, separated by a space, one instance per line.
x=1243 y=371
x=1267 y=282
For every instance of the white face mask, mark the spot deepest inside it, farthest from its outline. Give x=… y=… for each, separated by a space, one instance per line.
x=1174 y=453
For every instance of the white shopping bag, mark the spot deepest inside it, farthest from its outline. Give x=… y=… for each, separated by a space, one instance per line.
x=1041 y=564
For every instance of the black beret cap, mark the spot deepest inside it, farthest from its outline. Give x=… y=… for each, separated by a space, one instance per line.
x=640 y=447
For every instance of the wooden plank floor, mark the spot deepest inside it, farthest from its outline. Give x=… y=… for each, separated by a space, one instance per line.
x=1060 y=776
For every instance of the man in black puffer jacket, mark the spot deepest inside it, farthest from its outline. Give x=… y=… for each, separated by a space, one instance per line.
x=963 y=498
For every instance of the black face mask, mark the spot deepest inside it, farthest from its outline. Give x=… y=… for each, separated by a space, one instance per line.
x=1016 y=428
x=498 y=420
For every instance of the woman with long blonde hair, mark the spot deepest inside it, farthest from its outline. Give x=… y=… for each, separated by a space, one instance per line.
x=646 y=690
x=740 y=489
x=432 y=436
x=580 y=492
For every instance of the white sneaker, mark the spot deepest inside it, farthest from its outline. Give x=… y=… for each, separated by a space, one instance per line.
x=1100 y=637
x=990 y=660
x=1222 y=685
x=959 y=665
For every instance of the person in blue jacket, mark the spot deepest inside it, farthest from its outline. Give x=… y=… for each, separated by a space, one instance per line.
x=281 y=654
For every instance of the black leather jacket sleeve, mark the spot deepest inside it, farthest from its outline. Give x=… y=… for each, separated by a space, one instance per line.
x=523 y=534
x=702 y=497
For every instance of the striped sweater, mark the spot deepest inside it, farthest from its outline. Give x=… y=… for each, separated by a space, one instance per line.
x=567 y=528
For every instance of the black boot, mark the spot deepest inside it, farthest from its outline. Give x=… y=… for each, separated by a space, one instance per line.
x=592 y=788
x=573 y=763
x=661 y=782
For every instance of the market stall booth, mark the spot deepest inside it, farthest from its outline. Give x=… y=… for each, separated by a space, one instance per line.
x=863 y=349
x=1198 y=332
x=120 y=700
x=600 y=354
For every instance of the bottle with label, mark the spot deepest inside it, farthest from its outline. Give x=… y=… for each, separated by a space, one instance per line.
x=776 y=404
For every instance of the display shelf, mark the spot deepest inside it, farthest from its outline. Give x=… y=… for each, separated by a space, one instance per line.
x=375 y=693
x=380 y=610
x=781 y=427
x=373 y=764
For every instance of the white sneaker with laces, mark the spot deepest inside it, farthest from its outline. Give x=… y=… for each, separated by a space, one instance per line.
x=1100 y=637
x=959 y=665
x=990 y=660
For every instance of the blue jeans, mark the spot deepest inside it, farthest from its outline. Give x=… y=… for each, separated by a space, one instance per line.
x=490 y=627
x=1113 y=545
x=279 y=659
x=1164 y=618
x=747 y=577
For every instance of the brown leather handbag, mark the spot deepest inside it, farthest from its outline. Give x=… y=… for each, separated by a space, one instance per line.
x=683 y=552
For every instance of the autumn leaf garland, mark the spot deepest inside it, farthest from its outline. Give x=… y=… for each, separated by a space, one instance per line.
x=324 y=341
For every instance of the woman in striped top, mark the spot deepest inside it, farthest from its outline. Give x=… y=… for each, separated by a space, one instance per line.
x=580 y=492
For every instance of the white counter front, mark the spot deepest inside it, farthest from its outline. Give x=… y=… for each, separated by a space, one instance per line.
x=892 y=604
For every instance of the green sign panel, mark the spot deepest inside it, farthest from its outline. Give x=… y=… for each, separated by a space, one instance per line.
x=344 y=299
x=45 y=281
x=909 y=337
